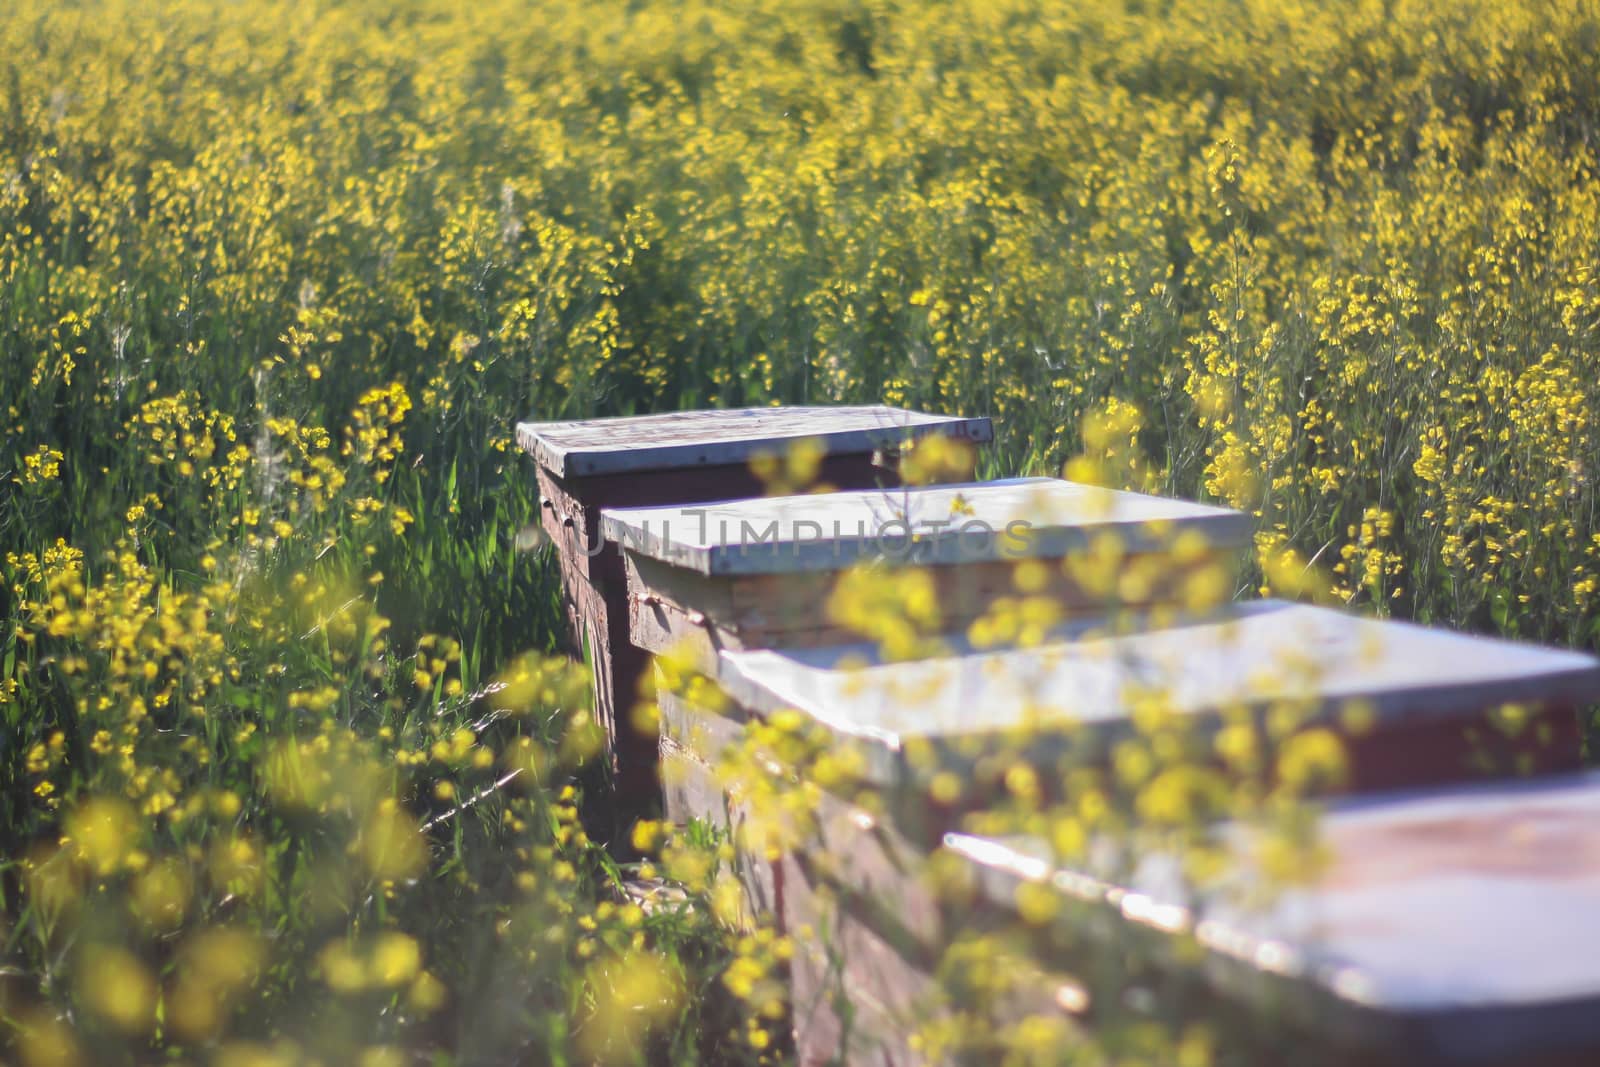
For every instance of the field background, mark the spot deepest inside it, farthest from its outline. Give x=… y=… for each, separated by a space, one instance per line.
x=277 y=278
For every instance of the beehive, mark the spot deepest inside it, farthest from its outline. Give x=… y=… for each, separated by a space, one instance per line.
x=1428 y=700
x=1447 y=927
x=682 y=457
x=756 y=573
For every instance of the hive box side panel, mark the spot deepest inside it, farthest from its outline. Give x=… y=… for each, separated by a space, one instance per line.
x=855 y=998
x=850 y=890
x=698 y=615
x=691 y=791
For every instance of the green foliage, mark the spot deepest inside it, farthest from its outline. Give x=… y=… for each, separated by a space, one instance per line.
x=276 y=281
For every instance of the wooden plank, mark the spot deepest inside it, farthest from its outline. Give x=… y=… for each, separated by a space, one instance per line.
x=1252 y=656
x=567 y=521
x=866 y=990
x=702 y=734
x=1021 y=518
x=854 y=996
x=691 y=790
x=681 y=439
x=1448 y=928
x=851 y=894
x=852 y=845
x=868 y=927
x=619 y=669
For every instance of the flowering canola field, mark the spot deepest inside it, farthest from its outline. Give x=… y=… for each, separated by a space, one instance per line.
x=285 y=773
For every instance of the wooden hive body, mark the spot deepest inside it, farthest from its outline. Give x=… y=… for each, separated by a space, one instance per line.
x=1447 y=928
x=667 y=545
x=680 y=458
x=746 y=574
x=1429 y=695
x=1425 y=694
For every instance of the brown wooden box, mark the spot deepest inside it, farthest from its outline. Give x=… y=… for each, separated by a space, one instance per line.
x=1447 y=928
x=757 y=573
x=1414 y=705
x=683 y=457
x=855 y=989
x=859 y=885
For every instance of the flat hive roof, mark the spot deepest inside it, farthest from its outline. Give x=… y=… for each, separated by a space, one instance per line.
x=1471 y=912
x=1250 y=655
x=1008 y=519
x=682 y=439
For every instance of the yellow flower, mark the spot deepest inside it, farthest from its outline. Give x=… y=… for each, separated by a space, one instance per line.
x=40 y=466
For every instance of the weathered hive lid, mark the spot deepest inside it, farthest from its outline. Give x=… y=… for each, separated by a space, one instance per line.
x=1459 y=925
x=1249 y=655
x=704 y=438
x=1008 y=519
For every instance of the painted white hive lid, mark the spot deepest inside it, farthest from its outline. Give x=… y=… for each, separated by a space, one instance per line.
x=684 y=439
x=1249 y=655
x=1441 y=904
x=1009 y=519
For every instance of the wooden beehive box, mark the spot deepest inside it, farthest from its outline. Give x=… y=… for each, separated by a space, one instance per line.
x=1448 y=928
x=753 y=573
x=756 y=573
x=1428 y=698
x=680 y=458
